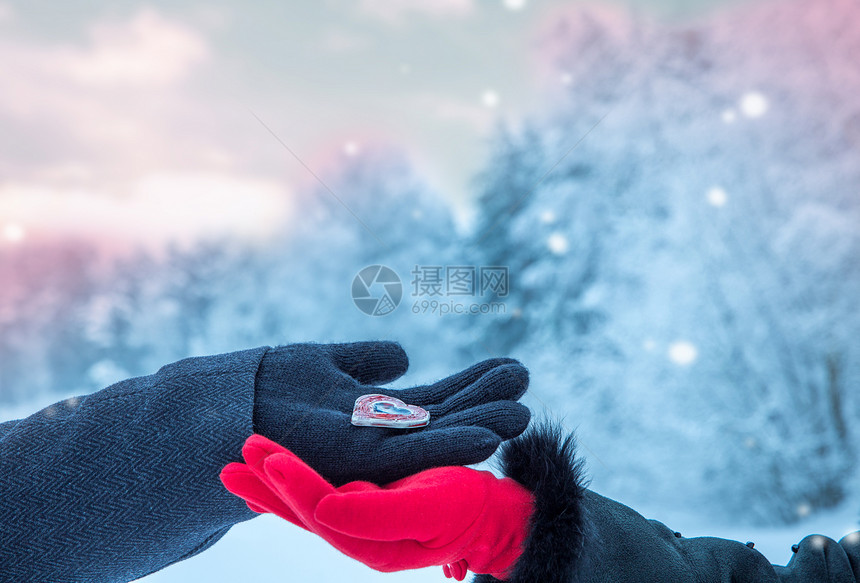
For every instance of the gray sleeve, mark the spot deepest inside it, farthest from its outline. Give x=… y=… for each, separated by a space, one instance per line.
x=121 y=483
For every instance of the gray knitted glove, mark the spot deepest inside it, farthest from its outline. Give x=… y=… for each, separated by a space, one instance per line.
x=304 y=396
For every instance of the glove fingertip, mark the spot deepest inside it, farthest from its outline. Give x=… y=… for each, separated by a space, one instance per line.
x=257 y=448
x=371 y=362
x=234 y=468
x=511 y=380
x=484 y=438
x=261 y=441
x=289 y=472
x=327 y=512
x=519 y=418
x=254 y=508
x=278 y=466
x=238 y=479
x=483 y=444
x=489 y=364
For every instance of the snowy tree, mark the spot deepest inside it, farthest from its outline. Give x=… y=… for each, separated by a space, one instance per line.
x=70 y=324
x=512 y=173
x=42 y=339
x=687 y=271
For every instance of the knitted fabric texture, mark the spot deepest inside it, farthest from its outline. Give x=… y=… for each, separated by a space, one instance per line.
x=306 y=394
x=579 y=536
x=124 y=482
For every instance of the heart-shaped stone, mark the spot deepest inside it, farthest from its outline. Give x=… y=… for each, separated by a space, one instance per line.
x=390 y=408
x=384 y=411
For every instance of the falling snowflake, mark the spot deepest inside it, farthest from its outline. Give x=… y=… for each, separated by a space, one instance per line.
x=350 y=148
x=649 y=344
x=753 y=104
x=852 y=538
x=566 y=78
x=803 y=509
x=515 y=4
x=557 y=243
x=717 y=196
x=14 y=233
x=547 y=217
x=729 y=116
x=490 y=98
x=682 y=353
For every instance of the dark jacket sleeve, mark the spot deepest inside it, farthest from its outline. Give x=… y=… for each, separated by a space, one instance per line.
x=121 y=483
x=579 y=536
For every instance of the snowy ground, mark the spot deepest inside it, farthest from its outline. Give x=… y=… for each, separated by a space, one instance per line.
x=268 y=550
x=265 y=549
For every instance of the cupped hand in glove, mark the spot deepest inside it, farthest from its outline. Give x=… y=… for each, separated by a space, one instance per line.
x=457 y=517
x=305 y=393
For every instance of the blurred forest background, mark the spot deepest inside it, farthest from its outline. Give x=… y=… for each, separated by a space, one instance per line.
x=682 y=228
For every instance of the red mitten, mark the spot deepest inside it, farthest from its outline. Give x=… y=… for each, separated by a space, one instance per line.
x=249 y=481
x=453 y=516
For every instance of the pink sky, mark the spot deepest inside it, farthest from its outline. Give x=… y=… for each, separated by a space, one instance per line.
x=139 y=124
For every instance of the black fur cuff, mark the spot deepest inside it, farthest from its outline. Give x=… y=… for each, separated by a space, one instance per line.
x=545 y=463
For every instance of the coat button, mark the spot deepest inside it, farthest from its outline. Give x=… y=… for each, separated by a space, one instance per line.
x=794 y=548
x=751 y=544
x=677 y=535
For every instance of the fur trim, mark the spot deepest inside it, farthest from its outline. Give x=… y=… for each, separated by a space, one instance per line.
x=546 y=463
